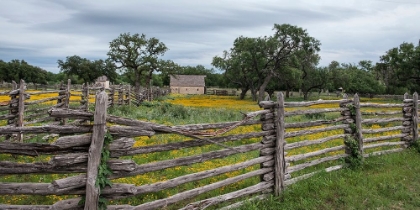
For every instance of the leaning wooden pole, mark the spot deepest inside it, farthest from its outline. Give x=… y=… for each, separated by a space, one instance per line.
x=279 y=161
x=415 y=116
x=95 y=149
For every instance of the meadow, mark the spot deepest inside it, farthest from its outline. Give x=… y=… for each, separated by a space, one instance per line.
x=181 y=110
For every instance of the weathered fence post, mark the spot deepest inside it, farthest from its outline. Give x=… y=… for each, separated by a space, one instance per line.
x=84 y=102
x=21 y=108
x=415 y=116
x=13 y=111
x=121 y=95
x=358 y=122
x=408 y=119
x=111 y=97
x=279 y=160
x=95 y=149
x=128 y=95
x=268 y=125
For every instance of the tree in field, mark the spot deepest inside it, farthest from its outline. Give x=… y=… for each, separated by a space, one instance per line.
x=286 y=41
x=243 y=64
x=87 y=70
x=137 y=54
x=400 y=69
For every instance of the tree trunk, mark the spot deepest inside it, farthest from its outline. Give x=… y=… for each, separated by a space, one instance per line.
x=305 y=95
x=254 y=94
x=243 y=93
x=287 y=93
x=263 y=86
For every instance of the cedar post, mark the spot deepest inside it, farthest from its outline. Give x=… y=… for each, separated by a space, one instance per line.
x=21 y=108
x=415 y=116
x=408 y=119
x=120 y=95
x=128 y=95
x=13 y=109
x=279 y=161
x=358 y=121
x=95 y=149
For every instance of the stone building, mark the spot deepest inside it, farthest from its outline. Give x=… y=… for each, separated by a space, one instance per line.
x=187 y=84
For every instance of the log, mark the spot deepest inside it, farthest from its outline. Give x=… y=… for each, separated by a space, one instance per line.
x=46 y=129
x=44 y=119
x=376 y=105
x=184 y=144
x=381 y=113
x=305 y=176
x=311 y=103
x=158 y=186
x=45 y=92
x=314 y=111
x=68 y=159
x=73 y=141
x=8 y=117
x=295 y=158
x=149 y=167
x=380 y=130
x=229 y=196
x=383 y=152
x=123 y=143
x=31 y=149
x=382 y=120
x=312 y=142
x=369 y=146
x=69 y=183
x=267 y=104
x=200 y=190
x=312 y=123
x=240 y=203
x=7 y=167
x=312 y=131
x=25 y=207
x=95 y=150
x=382 y=138
x=69 y=113
x=299 y=167
x=72 y=203
x=44 y=100
x=129 y=131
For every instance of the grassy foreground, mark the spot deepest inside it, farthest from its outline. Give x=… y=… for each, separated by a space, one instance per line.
x=383 y=182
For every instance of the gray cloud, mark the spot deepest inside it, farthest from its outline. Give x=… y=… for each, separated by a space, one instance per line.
x=44 y=31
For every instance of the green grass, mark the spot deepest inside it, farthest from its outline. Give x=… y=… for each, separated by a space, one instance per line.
x=383 y=182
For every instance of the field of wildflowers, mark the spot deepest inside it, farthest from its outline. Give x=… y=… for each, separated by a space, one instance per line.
x=176 y=110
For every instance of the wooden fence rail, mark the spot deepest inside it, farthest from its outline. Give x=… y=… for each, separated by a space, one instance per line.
x=273 y=157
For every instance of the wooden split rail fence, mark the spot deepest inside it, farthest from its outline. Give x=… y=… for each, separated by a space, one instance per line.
x=271 y=160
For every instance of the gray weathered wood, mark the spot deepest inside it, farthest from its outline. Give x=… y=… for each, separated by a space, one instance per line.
x=311 y=103
x=45 y=92
x=375 y=105
x=21 y=108
x=315 y=162
x=43 y=100
x=315 y=153
x=279 y=161
x=398 y=143
x=229 y=196
x=314 y=111
x=73 y=141
x=305 y=176
x=129 y=131
x=380 y=130
x=383 y=152
x=312 y=142
x=415 y=116
x=382 y=138
x=382 y=120
x=200 y=190
x=46 y=129
x=358 y=122
x=149 y=167
x=94 y=157
x=184 y=144
x=312 y=131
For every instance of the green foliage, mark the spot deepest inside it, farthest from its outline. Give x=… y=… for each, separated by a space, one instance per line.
x=383 y=182
x=16 y=70
x=87 y=70
x=355 y=159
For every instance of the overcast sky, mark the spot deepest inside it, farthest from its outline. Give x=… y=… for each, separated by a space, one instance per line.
x=43 y=31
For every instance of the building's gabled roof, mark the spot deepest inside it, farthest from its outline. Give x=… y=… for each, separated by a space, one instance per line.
x=187 y=81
